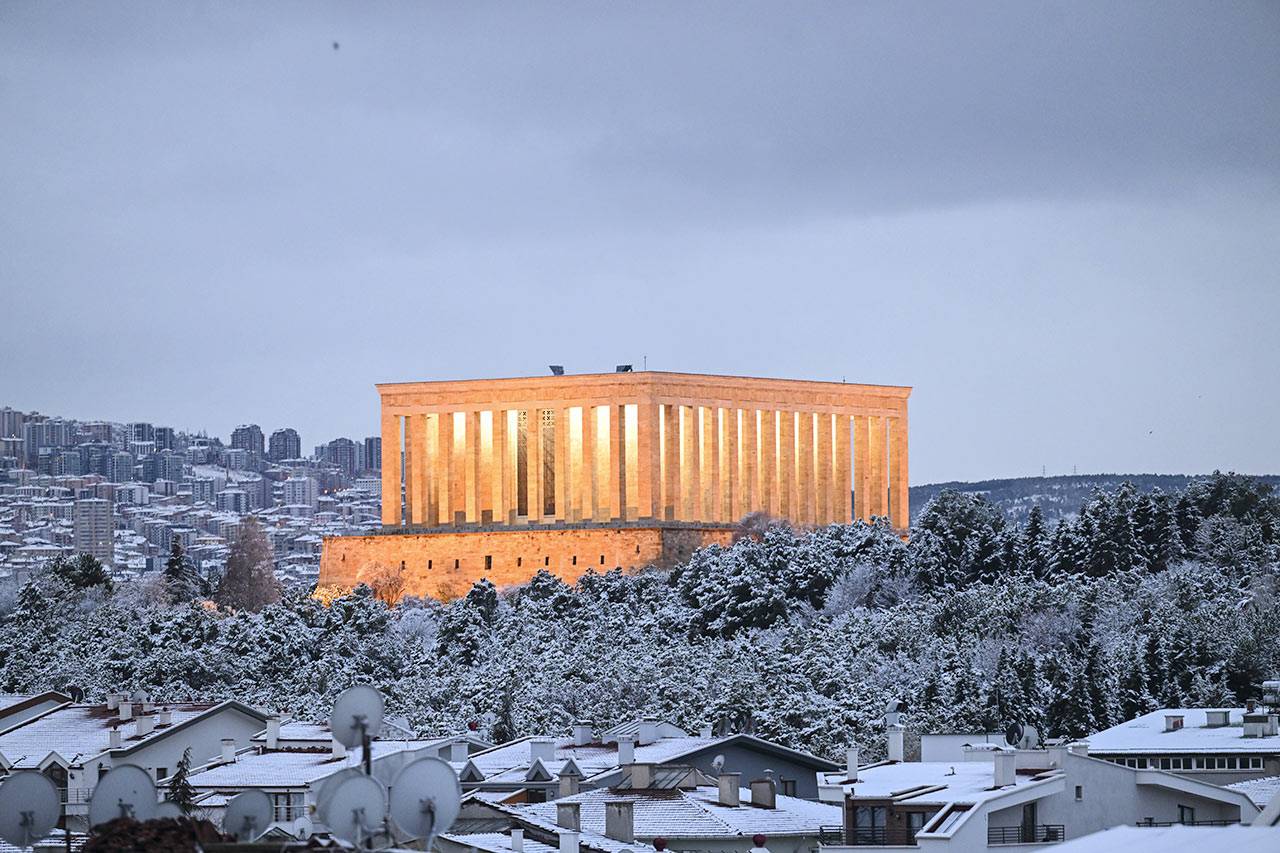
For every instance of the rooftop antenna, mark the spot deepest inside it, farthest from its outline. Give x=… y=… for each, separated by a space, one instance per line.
x=126 y=791
x=29 y=808
x=357 y=714
x=248 y=815
x=355 y=809
x=426 y=799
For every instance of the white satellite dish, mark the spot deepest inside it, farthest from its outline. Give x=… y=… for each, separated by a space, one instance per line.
x=425 y=799
x=302 y=828
x=168 y=809
x=29 y=808
x=356 y=713
x=328 y=786
x=397 y=726
x=248 y=815
x=126 y=791
x=356 y=809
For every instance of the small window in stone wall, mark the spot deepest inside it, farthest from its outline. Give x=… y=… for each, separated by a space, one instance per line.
x=488 y=561
x=602 y=559
x=1079 y=793
x=428 y=564
x=546 y=561
x=575 y=560
x=519 y=562
x=456 y=563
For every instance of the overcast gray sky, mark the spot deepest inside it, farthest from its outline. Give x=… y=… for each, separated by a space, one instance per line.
x=1059 y=222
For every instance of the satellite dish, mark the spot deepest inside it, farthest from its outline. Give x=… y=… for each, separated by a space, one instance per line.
x=717 y=763
x=29 y=808
x=168 y=809
x=397 y=725
x=302 y=828
x=76 y=692
x=356 y=808
x=426 y=799
x=248 y=815
x=139 y=697
x=126 y=791
x=1013 y=734
x=357 y=712
x=328 y=786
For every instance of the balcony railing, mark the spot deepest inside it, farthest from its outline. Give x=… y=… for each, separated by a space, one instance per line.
x=1188 y=822
x=867 y=836
x=289 y=811
x=75 y=796
x=1044 y=833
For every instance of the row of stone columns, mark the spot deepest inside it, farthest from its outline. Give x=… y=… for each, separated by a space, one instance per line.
x=666 y=461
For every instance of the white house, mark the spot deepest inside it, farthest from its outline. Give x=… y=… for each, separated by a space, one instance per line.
x=1218 y=745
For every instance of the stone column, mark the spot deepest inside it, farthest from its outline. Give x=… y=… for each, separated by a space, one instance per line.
x=843 y=485
x=769 y=462
x=443 y=464
x=749 y=497
x=533 y=460
x=590 y=449
x=879 y=473
x=861 y=469
x=415 y=455
x=499 y=460
x=563 y=467
x=671 y=506
x=899 y=498
x=649 y=461
x=616 y=507
x=806 y=486
x=823 y=469
x=484 y=475
x=787 y=493
x=391 y=465
x=471 y=441
x=730 y=471
x=711 y=463
x=691 y=464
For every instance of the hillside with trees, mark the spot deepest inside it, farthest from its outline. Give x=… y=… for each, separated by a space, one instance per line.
x=1142 y=600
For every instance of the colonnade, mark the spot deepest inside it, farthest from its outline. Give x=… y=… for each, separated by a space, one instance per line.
x=637 y=457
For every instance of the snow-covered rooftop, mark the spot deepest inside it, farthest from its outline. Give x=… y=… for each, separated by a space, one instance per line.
x=1146 y=735
x=1161 y=839
x=697 y=813
x=1261 y=791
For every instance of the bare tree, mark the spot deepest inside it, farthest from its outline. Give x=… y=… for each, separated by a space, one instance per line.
x=387 y=582
x=249 y=582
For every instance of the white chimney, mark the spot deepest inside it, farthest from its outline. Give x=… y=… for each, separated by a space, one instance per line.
x=569 y=816
x=620 y=820
x=459 y=751
x=895 y=735
x=517 y=841
x=568 y=841
x=126 y=710
x=113 y=701
x=273 y=732
x=1006 y=763
x=228 y=750
x=648 y=731
x=851 y=764
x=706 y=732
x=164 y=717
x=339 y=751
x=582 y=733
x=145 y=725
x=729 y=793
x=1216 y=719
x=641 y=776
x=543 y=749
x=763 y=794
x=626 y=751
x=114 y=737
x=1172 y=722
x=1057 y=756
x=1079 y=747
x=568 y=783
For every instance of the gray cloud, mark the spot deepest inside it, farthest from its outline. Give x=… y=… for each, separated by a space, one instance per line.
x=1056 y=220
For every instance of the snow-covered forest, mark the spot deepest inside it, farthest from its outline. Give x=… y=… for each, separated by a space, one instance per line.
x=1143 y=600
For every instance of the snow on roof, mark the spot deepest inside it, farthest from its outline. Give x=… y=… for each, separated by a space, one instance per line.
x=289 y=769
x=961 y=781
x=1146 y=735
x=588 y=838
x=1260 y=791
x=697 y=813
x=498 y=842
x=80 y=732
x=513 y=759
x=1160 y=839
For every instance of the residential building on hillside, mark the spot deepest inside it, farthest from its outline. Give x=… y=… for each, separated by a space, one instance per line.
x=285 y=444
x=95 y=529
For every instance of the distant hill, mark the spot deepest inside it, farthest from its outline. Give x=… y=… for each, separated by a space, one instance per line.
x=1057 y=496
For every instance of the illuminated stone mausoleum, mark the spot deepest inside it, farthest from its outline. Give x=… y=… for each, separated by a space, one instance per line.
x=502 y=477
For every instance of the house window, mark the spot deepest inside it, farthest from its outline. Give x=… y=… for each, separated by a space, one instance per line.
x=161 y=772
x=1079 y=793
x=1165 y=764
x=1186 y=814
x=788 y=787
x=868 y=824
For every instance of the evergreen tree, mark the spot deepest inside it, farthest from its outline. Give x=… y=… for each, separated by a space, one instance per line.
x=180 y=791
x=81 y=572
x=179 y=577
x=249 y=582
x=1034 y=549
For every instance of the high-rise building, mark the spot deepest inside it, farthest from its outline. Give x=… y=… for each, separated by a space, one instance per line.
x=301 y=491
x=93 y=528
x=236 y=458
x=373 y=453
x=141 y=432
x=232 y=500
x=285 y=444
x=166 y=438
x=248 y=437
x=341 y=453
x=120 y=467
x=11 y=422
x=169 y=465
